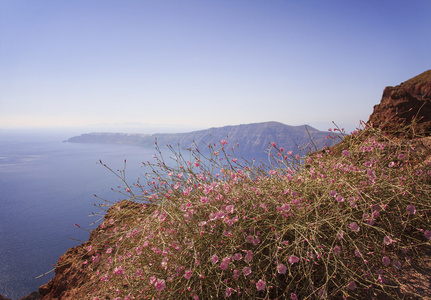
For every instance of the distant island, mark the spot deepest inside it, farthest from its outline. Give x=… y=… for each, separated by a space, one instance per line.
x=252 y=138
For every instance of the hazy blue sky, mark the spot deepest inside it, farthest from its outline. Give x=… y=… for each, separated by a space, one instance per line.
x=205 y=63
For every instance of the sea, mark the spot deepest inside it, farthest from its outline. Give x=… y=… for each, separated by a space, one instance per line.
x=46 y=186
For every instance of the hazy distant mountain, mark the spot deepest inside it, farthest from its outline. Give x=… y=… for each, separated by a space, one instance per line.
x=252 y=138
x=136 y=127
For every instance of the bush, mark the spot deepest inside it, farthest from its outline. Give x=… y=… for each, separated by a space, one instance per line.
x=340 y=222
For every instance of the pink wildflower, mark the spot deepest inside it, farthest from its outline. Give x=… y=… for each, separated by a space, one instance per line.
x=188 y=274
x=337 y=250
x=427 y=234
x=223 y=142
x=230 y=209
x=256 y=241
x=160 y=285
x=236 y=273
x=345 y=153
x=386 y=260
x=152 y=280
x=293 y=259
x=293 y=296
x=109 y=250
x=339 y=199
x=225 y=263
x=212 y=216
x=387 y=240
x=237 y=256
x=105 y=277
x=162 y=216
x=285 y=207
x=340 y=235
x=375 y=214
x=357 y=253
x=214 y=259
x=281 y=269
x=119 y=271
x=352 y=202
x=352 y=285
x=354 y=226
x=411 y=209
x=248 y=256
x=260 y=285
x=246 y=271
x=228 y=292
x=220 y=215
x=272 y=172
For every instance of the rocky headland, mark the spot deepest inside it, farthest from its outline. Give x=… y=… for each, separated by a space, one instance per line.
x=408 y=104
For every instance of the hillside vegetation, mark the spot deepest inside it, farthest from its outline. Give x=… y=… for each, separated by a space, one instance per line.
x=346 y=222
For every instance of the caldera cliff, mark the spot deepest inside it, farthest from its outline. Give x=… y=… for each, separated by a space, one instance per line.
x=404 y=111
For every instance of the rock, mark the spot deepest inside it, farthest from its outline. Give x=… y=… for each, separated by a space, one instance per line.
x=71 y=272
x=407 y=104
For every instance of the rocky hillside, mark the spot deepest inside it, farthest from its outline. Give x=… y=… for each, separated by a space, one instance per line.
x=399 y=106
x=70 y=272
x=406 y=104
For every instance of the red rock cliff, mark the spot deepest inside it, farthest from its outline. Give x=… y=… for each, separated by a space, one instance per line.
x=404 y=103
x=71 y=272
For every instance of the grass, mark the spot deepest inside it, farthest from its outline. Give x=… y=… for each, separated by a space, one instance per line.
x=340 y=223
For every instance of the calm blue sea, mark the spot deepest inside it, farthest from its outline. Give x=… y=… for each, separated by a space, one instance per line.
x=46 y=186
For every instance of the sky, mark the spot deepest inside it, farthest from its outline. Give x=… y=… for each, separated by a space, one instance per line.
x=205 y=63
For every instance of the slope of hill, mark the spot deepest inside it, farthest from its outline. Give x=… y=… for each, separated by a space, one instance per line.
x=351 y=224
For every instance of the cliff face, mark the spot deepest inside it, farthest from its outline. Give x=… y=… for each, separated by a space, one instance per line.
x=401 y=105
x=72 y=272
x=397 y=108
